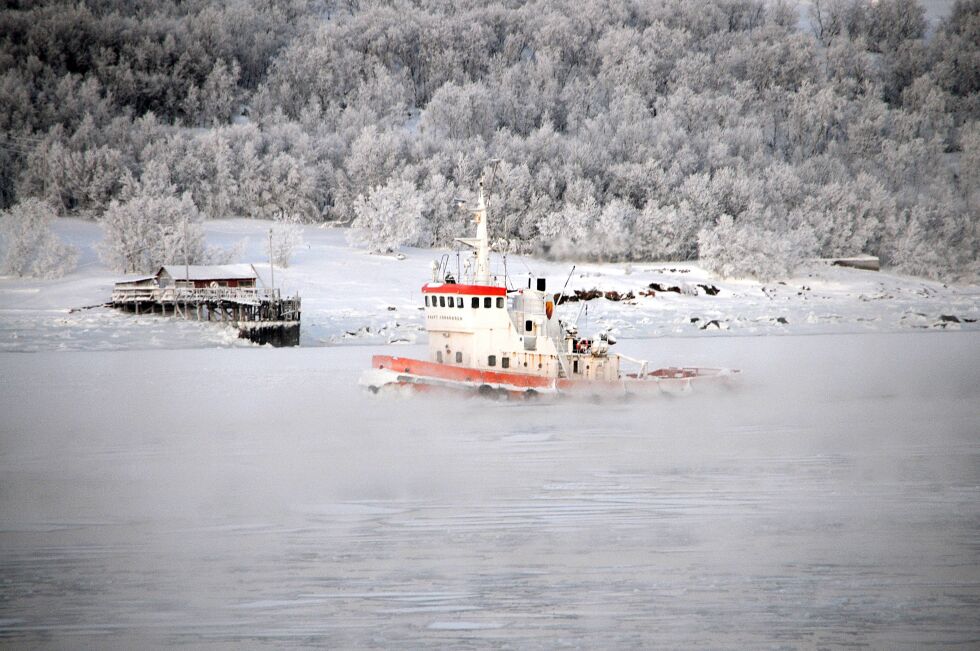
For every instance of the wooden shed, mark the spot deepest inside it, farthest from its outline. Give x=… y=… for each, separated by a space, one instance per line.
x=136 y=289
x=224 y=293
x=201 y=276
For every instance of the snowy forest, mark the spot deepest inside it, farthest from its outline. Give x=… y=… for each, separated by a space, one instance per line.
x=752 y=135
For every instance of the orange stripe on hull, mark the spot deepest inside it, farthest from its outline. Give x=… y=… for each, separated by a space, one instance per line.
x=513 y=382
x=419 y=373
x=459 y=373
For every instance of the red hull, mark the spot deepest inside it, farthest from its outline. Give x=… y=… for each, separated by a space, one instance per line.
x=423 y=375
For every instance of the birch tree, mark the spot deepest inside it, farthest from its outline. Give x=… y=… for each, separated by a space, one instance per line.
x=29 y=247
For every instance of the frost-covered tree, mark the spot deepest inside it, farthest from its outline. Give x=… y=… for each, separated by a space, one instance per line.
x=217 y=192
x=214 y=102
x=285 y=237
x=374 y=157
x=614 y=227
x=666 y=233
x=441 y=212
x=848 y=218
x=29 y=247
x=913 y=247
x=219 y=93
x=460 y=112
x=826 y=19
x=891 y=22
x=970 y=165
x=286 y=189
x=956 y=47
x=571 y=232
x=734 y=250
x=147 y=231
x=75 y=174
x=389 y=217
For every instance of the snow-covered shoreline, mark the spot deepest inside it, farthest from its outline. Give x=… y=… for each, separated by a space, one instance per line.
x=350 y=297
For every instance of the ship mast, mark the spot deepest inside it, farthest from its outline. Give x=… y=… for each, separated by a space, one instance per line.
x=480 y=243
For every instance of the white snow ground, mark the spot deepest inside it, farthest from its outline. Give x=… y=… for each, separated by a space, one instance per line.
x=352 y=297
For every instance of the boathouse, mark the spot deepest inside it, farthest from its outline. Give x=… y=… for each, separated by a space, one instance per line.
x=225 y=293
x=200 y=276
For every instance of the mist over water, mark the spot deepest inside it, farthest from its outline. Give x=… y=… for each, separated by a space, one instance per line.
x=244 y=497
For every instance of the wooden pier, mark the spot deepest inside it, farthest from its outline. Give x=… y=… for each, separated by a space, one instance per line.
x=260 y=315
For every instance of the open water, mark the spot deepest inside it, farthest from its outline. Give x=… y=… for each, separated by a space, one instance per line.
x=256 y=498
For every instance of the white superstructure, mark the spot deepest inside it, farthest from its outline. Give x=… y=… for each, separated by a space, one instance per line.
x=477 y=321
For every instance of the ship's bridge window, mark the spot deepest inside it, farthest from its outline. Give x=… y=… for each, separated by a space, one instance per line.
x=475 y=302
x=459 y=301
x=487 y=301
x=500 y=302
x=427 y=300
x=442 y=301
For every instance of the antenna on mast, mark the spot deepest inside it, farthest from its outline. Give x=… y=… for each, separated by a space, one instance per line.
x=562 y=295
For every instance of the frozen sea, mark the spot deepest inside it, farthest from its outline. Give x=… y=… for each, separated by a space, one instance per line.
x=254 y=497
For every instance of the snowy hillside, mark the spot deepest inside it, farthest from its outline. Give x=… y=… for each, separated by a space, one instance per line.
x=751 y=135
x=351 y=297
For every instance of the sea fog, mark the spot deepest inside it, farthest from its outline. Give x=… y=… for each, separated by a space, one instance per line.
x=257 y=497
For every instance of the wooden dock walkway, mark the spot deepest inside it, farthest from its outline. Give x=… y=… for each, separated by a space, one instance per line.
x=260 y=315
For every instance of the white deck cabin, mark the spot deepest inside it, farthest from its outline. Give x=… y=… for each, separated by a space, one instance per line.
x=480 y=323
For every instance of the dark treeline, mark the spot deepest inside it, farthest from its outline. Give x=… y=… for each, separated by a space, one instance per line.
x=672 y=129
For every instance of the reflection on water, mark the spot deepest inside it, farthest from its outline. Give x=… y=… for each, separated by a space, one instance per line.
x=238 y=498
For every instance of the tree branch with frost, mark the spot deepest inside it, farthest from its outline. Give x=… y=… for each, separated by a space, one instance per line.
x=389 y=217
x=29 y=247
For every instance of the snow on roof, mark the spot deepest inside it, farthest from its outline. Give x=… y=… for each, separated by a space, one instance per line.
x=209 y=272
x=139 y=279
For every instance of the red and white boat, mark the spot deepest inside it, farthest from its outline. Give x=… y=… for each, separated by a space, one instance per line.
x=495 y=340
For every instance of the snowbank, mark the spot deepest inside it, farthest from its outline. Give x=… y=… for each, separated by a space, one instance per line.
x=350 y=296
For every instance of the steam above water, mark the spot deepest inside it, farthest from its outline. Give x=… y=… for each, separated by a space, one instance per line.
x=249 y=497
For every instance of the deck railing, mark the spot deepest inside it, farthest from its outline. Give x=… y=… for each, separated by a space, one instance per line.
x=243 y=295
